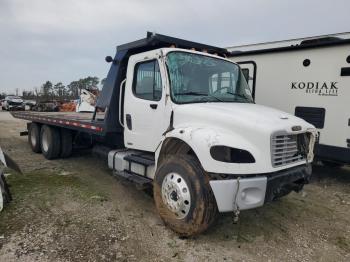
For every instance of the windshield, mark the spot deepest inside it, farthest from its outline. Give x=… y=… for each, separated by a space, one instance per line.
x=196 y=78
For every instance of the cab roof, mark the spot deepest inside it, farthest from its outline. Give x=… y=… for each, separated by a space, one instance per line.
x=155 y=41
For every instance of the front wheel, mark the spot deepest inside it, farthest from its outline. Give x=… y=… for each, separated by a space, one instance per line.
x=183 y=196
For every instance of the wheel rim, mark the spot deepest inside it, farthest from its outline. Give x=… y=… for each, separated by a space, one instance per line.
x=176 y=195
x=45 y=142
x=33 y=138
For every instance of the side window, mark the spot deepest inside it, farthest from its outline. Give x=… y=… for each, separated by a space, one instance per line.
x=147 y=82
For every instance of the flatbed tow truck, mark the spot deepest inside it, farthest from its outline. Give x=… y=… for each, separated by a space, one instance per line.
x=179 y=116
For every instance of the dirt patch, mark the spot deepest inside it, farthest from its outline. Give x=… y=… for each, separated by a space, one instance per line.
x=74 y=210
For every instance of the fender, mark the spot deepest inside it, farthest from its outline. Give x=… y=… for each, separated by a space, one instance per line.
x=201 y=139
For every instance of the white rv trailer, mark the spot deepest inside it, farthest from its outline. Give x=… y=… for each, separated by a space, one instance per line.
x=310 y=78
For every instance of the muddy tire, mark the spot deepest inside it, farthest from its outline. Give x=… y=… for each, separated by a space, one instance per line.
x=66 y=143
x=50 y=142
x=34 y=137
x=183 y=196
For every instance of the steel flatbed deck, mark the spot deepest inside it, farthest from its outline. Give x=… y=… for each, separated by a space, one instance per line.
x=71 y=120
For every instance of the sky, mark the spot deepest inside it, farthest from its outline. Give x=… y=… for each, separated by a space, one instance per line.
x=65 y=40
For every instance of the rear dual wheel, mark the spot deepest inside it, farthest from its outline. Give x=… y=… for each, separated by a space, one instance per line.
x=66 y=143
x=51 y=141
x=34 y=137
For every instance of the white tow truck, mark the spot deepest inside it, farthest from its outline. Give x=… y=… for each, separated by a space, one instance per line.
x=179 y=116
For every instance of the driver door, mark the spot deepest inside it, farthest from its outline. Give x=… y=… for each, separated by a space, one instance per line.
x=145 y=113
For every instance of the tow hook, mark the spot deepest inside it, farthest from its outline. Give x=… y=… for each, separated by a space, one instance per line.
x=236 y=211
x=236 y=216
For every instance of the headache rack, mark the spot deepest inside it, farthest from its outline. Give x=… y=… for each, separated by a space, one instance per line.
x=288 y=148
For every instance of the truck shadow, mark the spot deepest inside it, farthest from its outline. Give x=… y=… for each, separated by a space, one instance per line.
x=268 y=223
x=323 y=174
x=297 y=213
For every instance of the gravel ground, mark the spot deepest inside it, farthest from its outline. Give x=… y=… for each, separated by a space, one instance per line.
x=73 y=210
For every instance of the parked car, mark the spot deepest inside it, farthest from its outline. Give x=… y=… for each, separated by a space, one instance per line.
x=12 y=103
x=45 y=106
x=29 y=104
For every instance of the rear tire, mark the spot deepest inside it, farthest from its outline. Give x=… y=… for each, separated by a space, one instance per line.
x=66 y=143
x=187 y=214
x=34 y=137
x=50 y=142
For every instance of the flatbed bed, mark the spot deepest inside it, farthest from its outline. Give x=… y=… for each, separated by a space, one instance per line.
x=71 y=120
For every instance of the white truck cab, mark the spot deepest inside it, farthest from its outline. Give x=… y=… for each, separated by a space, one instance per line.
x=183 y=103
x=185 y=122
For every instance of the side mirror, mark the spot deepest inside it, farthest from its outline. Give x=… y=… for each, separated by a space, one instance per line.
x=109 y=59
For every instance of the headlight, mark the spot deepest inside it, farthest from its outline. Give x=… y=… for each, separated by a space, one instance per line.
x=231 y=155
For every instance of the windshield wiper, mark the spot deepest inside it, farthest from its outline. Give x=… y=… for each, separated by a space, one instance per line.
x=191 y=93
x=239 y=95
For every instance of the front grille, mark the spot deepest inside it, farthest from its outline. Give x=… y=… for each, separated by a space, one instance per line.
x=285 y=150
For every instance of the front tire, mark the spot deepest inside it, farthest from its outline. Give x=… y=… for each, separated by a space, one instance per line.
x=183 y=196
x=50 y=142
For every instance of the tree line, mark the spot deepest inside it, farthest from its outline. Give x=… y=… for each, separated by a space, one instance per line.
x=50 y=91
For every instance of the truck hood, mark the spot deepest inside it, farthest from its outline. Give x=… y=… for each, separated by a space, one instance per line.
x=237 y=116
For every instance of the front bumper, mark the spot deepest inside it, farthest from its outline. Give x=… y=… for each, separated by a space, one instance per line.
x=247 y=193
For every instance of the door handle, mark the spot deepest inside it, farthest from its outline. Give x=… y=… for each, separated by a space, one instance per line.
x=153 y=106
x=128 y=121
